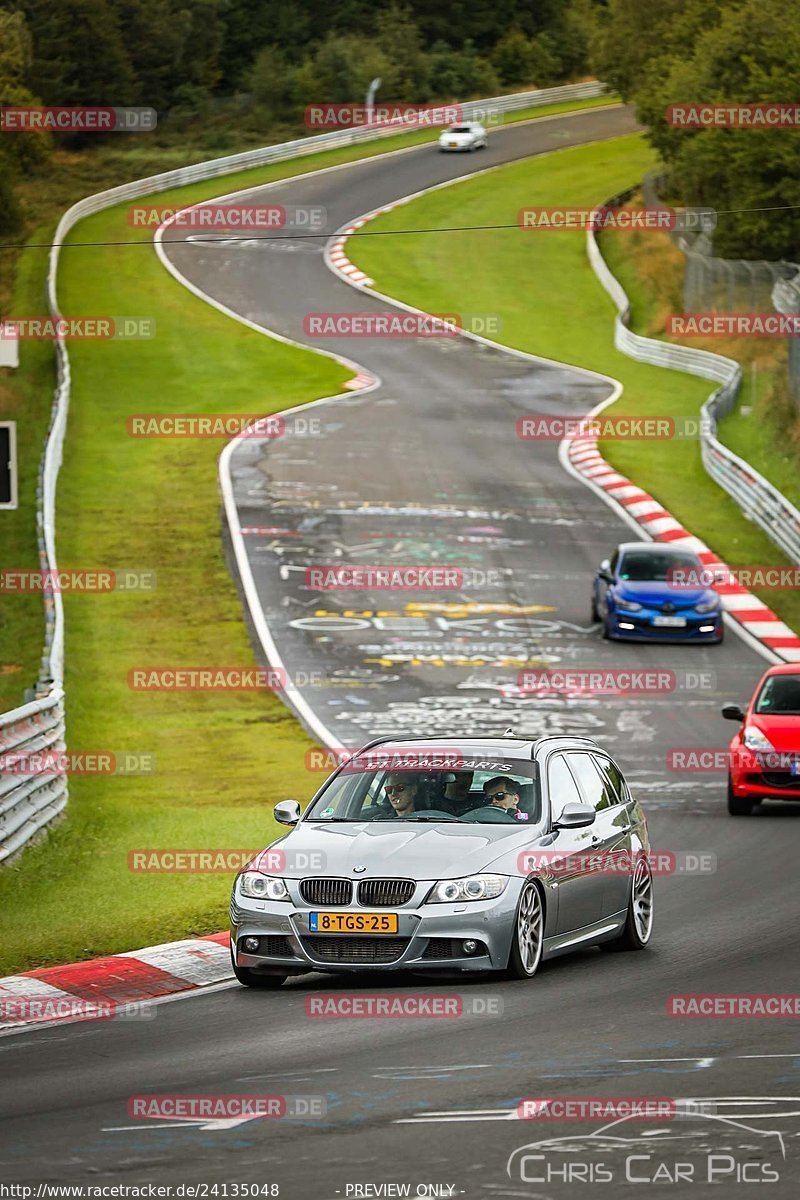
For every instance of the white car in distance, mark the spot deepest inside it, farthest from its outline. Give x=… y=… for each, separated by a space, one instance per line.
x=467 y=135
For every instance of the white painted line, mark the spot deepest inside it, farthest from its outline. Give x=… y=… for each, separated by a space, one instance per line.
x=703 y=1062
x=291 y=693
x=795 y=1055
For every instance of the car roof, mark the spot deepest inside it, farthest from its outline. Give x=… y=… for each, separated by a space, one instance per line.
x=666 y=547
x=784 y=669
x=479 y=745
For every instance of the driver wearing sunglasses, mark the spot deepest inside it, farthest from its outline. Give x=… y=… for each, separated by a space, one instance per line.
x=503 y=793
x=401 y=792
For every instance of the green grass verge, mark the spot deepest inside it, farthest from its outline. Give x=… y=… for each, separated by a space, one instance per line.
x=223 y=759
x=550 y=303
x=26 y=396
x=757 y=431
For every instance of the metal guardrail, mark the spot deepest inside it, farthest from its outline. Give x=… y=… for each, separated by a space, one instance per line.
x=786 y=299
x=30 y=798
x=729 y=285
x=28 y=803
x=759 y=500
x=712 y=283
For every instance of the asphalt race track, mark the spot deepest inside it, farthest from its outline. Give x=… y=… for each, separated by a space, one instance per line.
x=427 y=468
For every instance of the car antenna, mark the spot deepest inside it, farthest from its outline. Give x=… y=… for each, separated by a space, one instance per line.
x=509 y=732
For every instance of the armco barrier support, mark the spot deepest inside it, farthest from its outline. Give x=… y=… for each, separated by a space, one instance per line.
x=28 y=803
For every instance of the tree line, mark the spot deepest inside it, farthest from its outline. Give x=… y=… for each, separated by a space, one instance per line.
x=715 y=51
x=277 y=56
x=187 y=58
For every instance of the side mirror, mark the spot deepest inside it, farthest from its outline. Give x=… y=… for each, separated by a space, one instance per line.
x=732 y=712
x=604 y=571
x=287 y=812
x=575 y=816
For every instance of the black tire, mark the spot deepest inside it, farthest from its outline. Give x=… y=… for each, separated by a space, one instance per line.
x=255 y=979
x=593 y=609
x=606 y=630
x=638 y=928
x=525 y=965
x=738 y=806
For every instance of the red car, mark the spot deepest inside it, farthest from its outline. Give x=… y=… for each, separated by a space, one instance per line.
x=765 y=753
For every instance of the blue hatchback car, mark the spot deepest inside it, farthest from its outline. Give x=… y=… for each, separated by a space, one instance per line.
x=656 y=592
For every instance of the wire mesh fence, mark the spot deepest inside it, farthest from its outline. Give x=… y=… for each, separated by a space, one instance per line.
x=733 y=285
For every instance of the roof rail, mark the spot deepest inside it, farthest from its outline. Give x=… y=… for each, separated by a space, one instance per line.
x=453 y=737
x=567 y=737
x=458 y=737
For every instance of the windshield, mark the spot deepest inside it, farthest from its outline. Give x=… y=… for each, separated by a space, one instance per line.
x=460 y=129
x=654 y=567
x=486 y=791
x=780 y=694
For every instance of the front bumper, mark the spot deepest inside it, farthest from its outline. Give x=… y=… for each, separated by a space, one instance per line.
x=639 y=626
x=766 y=785
x=429 y=937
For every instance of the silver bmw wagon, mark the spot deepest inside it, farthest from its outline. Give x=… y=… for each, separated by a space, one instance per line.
x=474 y=854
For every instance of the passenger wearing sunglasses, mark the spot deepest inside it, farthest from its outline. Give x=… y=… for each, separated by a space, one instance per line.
x=401 y=792
x=505 y=794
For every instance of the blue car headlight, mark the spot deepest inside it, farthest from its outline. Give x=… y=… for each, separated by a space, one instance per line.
x=473 y=887
x=627 y=605
x=708 y=606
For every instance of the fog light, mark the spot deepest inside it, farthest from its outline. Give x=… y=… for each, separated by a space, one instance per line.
x=250 y=944
x=707 y=628
x=469 y=947
x=626 y=625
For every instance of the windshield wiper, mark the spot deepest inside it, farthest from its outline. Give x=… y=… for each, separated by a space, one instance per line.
x=332 y=820
x=429 y=820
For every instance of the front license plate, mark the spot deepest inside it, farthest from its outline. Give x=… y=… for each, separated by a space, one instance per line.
x=453 y=145
x=670 y=622
x=343 y=922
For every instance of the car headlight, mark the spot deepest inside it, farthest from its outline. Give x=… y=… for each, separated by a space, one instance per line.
x=627 y=605
x=708 y=605
x=473 y=887
x=754 y=739
x=262 y=887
